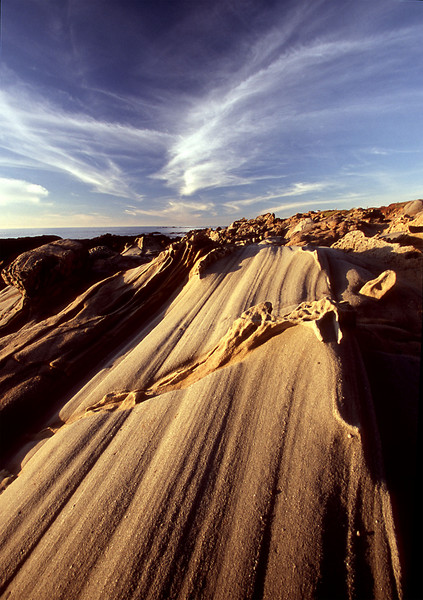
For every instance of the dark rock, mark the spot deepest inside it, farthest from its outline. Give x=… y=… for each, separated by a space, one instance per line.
x=116 y=243
x=10 y=248
x=101 y=252
x=44 y=269
x=152 y=244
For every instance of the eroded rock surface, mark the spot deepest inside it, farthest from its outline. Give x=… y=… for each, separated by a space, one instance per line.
x=10 y=248
x=266 y=386
x=40 y=271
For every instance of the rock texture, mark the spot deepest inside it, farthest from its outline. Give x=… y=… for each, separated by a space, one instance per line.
x=41 y=271
x=10 y=248
x=231 y=415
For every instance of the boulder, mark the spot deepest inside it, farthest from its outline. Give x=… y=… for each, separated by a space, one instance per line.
x=406 y=261
x=10 y=248
x=47 y=268
x=151 y=245
x=413 y=208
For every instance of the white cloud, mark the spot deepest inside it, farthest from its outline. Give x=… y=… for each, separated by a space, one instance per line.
x=294 y=205
x=298 y=189
x=17 y=191
x=277 y=108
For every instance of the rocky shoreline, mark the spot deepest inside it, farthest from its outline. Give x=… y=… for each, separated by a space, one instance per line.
x=74 y=311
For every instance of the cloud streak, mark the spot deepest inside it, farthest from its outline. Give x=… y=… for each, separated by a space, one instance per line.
x=297 y=189
x=88 y=150
x=196 y=112
x=227 y=130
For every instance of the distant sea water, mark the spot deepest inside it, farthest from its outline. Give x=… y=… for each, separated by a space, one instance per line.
x=80 y=233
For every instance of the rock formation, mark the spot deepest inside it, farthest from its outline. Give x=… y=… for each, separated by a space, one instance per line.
x=230 y=415
x=41 y=271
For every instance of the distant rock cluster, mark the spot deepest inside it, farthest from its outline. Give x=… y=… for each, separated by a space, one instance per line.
x=60 y=268
x=392 y=235
x=325 y=228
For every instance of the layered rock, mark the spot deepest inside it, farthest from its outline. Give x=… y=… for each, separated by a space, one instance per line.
x=49 y=354
x=216 y=430
x=107 y=284
x=10 y=248
x=40 y=271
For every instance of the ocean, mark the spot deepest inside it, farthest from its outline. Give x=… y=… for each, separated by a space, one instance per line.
x=80 y=233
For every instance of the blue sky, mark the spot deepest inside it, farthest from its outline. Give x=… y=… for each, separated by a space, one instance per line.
x=159 y=112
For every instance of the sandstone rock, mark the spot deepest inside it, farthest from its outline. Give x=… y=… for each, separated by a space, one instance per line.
x=43 y=269
x=151 y=245
x=413 y=208
x=101 y=252
x=215 y=236
x=405 y=260
x=302 y=227
x=105 y=262
x=404 y=238
x=10 y=248
x=416 y=224
x=376 y=288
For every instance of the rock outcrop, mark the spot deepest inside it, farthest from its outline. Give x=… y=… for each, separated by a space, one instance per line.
x=232 y=415
x=41 y=271
x=10 y=248
x=108 y=284
x=70 y=342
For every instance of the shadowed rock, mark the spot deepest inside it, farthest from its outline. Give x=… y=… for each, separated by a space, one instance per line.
x=10 y=248
x=266 y=443
x=43 y=270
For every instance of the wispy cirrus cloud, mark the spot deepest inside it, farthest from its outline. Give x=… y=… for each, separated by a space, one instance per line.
x=302 y=91
x=196 y=112
x=177 y=211
x=43 y=136
x=296 y=189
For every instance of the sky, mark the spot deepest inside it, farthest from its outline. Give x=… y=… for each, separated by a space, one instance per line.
x=200 y=112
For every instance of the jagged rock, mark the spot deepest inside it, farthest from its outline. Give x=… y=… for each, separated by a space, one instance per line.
x=405 y=230
x=406 y=260
x=404 y=238
x=207 y=260
x=416 y=224
x=215 y=236
x=249 y=231
x=106 y=262
x=77 y=336
x=117 y=243
x=39 y=271
x=101 y=252
x=302 y=227
x=254 y=327
x=10 y=248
